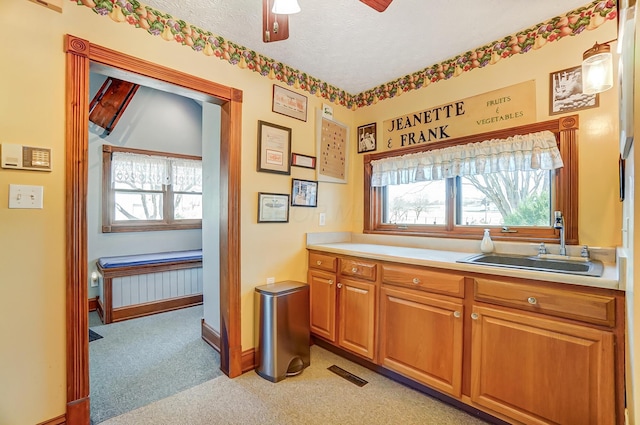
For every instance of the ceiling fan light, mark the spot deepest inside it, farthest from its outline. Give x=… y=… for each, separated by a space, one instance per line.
x=597 y=69
x=285 y=7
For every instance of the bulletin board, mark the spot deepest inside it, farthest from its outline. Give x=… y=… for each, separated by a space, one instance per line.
x=332 y=141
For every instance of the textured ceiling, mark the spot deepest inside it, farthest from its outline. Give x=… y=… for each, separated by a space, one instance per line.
x=353 y=47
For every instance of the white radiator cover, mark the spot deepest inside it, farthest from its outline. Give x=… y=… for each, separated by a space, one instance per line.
x=144 y=288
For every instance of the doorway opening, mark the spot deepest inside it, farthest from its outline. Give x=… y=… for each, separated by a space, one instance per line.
x=80 y=53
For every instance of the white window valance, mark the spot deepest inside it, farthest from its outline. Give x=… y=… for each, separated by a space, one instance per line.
x=534 y=151
x=151 y=171
x=139 y=170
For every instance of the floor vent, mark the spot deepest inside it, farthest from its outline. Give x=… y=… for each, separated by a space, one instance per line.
x=348 y=375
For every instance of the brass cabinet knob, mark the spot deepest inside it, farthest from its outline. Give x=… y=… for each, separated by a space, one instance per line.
x=416 y=281
x=532 y=300
x=339 y=285
x=330 y=282
x=457 y=314
x=319 y=262
x=354 y=270
x=475 y=316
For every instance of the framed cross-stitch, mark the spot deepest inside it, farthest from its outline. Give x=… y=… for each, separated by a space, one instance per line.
x=332 y=139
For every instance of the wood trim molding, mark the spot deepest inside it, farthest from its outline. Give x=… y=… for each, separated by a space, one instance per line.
x=93 y=304
x=139 y=310
x=210 y=336
x=79 y=54
x=60 y=420
x=230 y=154
x=248 y=360
x=77 y=317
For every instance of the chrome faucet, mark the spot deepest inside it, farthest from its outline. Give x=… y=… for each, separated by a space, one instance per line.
x=558 y=223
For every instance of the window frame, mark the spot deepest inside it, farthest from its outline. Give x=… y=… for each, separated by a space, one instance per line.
x=110 y=225
x=564 y=194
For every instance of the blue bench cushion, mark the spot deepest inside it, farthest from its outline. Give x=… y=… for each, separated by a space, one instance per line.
x=146 y=259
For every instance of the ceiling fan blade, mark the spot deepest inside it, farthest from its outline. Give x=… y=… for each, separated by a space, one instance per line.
x=379 y=5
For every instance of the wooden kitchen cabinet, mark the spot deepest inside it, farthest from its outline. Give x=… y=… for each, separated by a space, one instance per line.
x=343 y=304
x=525 y=351
x=421 y=337
x=356 y=318
x=322 y=293
x=541 y=371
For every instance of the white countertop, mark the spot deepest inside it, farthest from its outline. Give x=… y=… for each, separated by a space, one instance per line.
x=447 y=260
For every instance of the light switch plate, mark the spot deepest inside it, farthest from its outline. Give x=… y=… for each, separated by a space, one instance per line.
x=25 y=197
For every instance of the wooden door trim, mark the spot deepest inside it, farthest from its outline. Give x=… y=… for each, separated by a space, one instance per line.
x=79 y=54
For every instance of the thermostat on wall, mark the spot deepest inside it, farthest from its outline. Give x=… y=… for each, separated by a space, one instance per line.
x=21 y=157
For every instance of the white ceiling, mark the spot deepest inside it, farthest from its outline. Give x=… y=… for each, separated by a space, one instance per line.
x=351 y=46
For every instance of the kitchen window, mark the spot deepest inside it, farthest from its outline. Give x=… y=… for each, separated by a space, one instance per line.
x=148 y=190
x=509 y=181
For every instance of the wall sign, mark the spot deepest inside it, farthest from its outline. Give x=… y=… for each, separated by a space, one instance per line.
x=503 y=108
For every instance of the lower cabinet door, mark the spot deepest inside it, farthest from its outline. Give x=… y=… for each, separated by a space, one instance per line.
x=322 y=288
x=541 y=371
x=357 y=308
x=421 y=337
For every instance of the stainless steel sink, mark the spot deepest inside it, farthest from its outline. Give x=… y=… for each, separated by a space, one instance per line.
x=584 y=268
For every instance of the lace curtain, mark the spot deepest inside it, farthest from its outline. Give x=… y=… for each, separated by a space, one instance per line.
x=151 y=172
x=534 y=151
x=186 y=175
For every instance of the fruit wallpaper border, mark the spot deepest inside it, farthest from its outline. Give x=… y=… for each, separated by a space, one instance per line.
x=156 y=23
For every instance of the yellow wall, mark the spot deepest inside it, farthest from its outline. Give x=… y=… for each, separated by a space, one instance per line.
x=32 y=250
x=599 y=209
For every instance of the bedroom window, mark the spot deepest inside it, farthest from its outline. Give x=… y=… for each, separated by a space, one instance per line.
x=147 y=190
x=509 y=181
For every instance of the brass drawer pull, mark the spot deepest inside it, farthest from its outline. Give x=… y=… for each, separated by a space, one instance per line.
x=416 y=281
x=532 y=300
x=354 y=270
x=319 y=262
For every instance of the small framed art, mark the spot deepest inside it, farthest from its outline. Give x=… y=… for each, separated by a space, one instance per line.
x=367 y=138
x=289 y=103
x=565 y=92
x=273 y=207
x=304 y=193
x=304 y=161
x=274 y=148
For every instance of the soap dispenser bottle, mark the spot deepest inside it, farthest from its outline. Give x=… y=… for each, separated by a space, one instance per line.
x=487 y=244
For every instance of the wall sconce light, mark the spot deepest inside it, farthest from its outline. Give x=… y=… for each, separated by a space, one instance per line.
x=597 y=68
x=275 y=19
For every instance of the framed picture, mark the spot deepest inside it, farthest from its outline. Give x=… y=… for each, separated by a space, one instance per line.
x=289 y=103
x=565 y=92
x=274 y=148
x=304 y=161
x=304 y=193
x=273 y=207
x=332 y=147
x=367 y=138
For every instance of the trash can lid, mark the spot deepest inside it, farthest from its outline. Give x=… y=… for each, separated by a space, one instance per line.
x=281 y=288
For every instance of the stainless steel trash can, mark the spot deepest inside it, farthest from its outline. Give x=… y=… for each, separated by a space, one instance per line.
x=282 y=313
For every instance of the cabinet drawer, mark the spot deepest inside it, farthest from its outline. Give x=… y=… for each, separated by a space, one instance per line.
x=358 y=268
x=424 y=279
x=322 y=261
x=596 y=309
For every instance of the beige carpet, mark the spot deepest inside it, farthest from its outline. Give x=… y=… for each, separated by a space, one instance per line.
x=317 y=396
